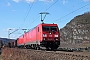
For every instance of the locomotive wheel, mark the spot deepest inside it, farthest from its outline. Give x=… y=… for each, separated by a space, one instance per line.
x=54 y=47
x=28 y=46
x=47 y=48
x=37 y=47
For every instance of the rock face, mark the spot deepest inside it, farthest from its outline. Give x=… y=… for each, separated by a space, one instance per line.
x=77 y=30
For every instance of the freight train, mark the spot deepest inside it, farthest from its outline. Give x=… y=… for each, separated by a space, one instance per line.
x=43 y=35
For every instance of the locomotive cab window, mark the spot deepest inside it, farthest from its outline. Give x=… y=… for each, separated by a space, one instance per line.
x=53 y=28
x=45 y=28
x=49 y=28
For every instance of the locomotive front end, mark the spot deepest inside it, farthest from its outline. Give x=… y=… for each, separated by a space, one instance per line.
x=51 y=36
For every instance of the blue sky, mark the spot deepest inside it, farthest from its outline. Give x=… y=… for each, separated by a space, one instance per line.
x=18 y=14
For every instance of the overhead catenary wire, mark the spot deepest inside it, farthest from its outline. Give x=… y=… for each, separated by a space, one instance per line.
x=48 y=9
x=52 y=5
x=45 y=10
x=63 y=16
x=72 y=12
x=30 y=6
x=32 y=21
x=20 y=27
x=36 y=17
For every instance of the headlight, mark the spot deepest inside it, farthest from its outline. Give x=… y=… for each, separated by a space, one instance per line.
x=44 y=38
x=56 y=35
x=56 y=38
x=44 y=35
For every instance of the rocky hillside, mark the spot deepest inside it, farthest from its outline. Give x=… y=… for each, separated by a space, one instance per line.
x=77 y=30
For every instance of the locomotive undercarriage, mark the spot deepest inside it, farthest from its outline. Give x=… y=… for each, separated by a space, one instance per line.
x=32 y=46
x=50 y=45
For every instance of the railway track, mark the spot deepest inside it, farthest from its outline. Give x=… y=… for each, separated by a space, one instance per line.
x=63 y=49
x=64 y=55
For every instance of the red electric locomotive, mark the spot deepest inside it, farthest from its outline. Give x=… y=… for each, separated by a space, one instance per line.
x=46 y=35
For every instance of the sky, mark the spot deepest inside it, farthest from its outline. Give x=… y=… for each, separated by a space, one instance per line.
x=24 y=14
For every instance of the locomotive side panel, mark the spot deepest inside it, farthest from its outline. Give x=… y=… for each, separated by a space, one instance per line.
x=27 y=37
x=39 y=33
x=31 y=36
x=20 y=40
x=34 y=36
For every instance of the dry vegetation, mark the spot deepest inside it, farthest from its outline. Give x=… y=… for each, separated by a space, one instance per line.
x=24 y=54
